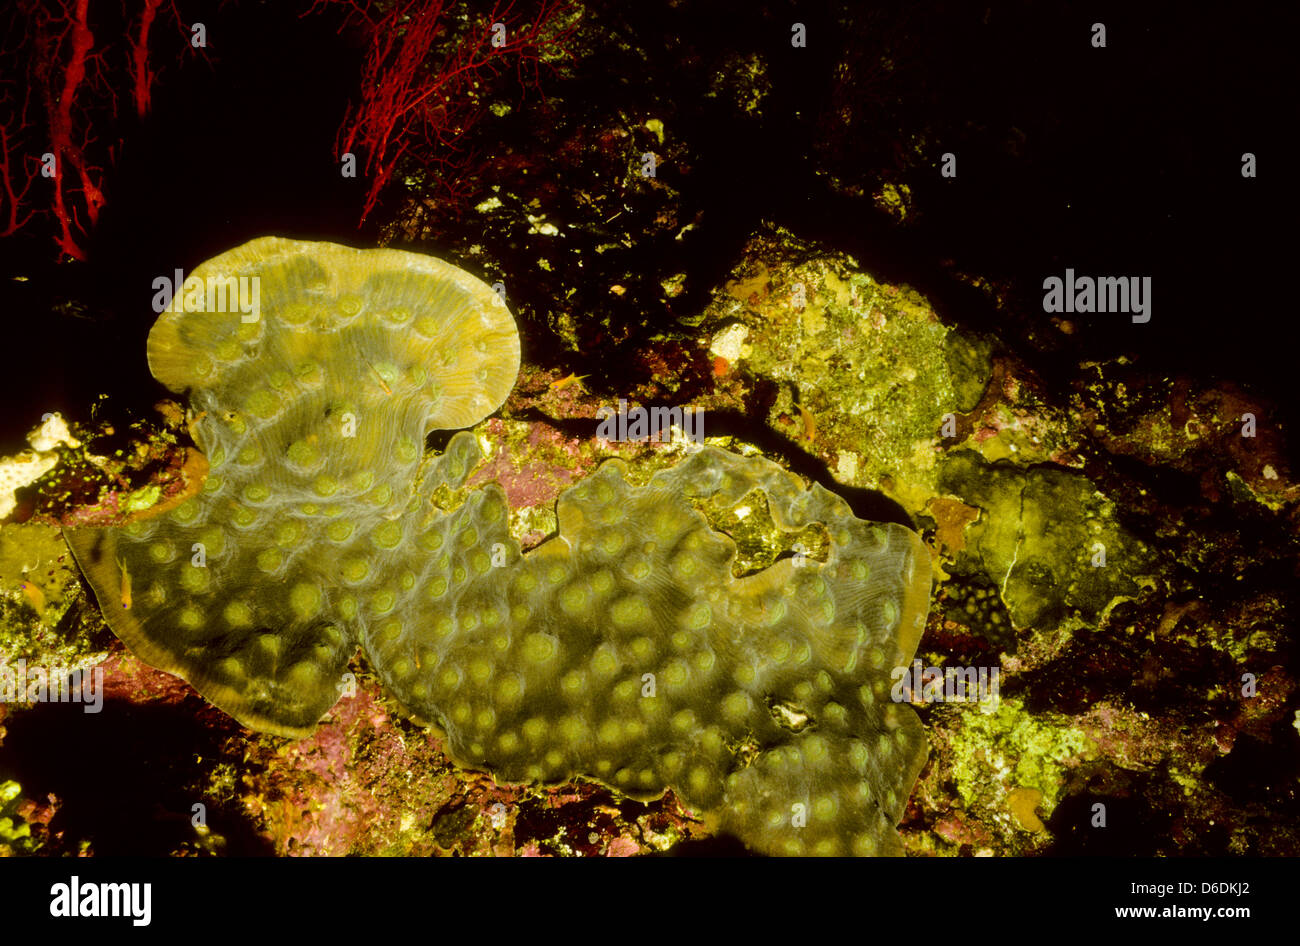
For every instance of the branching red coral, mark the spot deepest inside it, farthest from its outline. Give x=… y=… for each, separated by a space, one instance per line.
x=65 y=127
x=419 y=75
x=68 y=26
x=12 y=164
x=142 y=77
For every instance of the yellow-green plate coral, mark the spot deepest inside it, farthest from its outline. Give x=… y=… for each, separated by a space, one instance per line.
x=624 y=649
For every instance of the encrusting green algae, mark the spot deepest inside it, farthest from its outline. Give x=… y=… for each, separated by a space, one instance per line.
x=624 y=649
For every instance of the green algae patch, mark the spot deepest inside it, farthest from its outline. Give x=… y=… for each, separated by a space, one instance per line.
x=142 y=499
x=15 y=832
x=38 y=590
x=969 y=361
x=994 y=753
x=35 y=569
x=632 y=648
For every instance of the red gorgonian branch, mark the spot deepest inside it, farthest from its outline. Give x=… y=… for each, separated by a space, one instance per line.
x=15 y=166
x=420 y=74
x=63 y=46
x=65 y=127
x=142 y=77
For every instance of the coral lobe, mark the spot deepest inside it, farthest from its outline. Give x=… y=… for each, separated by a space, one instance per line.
x=623 y=649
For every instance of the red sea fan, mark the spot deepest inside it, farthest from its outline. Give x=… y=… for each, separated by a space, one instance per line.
x=60 y=72
x=424 y=64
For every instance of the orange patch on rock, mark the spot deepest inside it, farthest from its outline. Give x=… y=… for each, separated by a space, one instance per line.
x=1022 y=802
x=952 y=517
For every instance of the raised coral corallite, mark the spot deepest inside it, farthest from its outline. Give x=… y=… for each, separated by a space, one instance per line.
x=623 y=649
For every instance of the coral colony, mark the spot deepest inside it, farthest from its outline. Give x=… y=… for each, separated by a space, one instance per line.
x=623 y=649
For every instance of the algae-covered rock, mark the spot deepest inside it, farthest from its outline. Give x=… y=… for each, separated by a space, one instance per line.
x=861 y=373
x=1047 y=538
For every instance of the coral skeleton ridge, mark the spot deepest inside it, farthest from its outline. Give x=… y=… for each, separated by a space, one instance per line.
x=623 y=649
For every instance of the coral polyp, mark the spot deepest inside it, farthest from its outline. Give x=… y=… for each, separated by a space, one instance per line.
x=623 y=649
